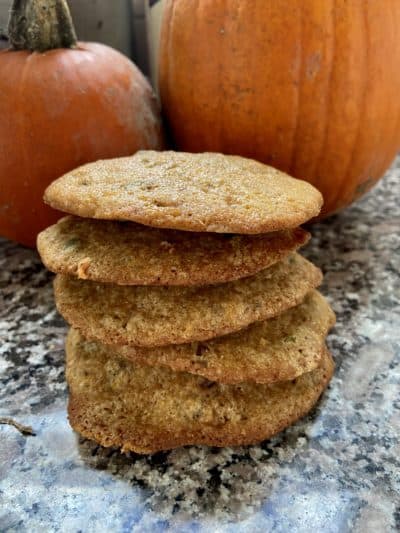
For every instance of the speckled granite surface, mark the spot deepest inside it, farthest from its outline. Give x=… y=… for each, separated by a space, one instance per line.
x=336 y=471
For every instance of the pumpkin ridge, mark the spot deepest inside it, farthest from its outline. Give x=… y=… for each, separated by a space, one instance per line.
x=23 y=150
x=328 y=98
x=398 y=111
x=343 y=180
x=170 y=9
x=221 y=93
x=298 y=93
x=389 y=151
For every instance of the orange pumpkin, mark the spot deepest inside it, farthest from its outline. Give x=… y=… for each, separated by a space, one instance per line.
x=310 y=86
x=62 y=104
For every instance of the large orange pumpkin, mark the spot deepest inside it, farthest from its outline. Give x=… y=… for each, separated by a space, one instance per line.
x=62 y=103
x=309 y=86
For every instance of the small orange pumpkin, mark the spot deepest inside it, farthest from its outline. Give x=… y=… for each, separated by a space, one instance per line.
x=62 y=104
x=309 y=86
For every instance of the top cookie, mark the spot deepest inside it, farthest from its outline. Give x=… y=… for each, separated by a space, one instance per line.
x=194 y=192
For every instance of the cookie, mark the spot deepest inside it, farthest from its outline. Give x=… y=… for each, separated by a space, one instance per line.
x=127 y=253
x=147 y=409
x=195 y=192
x=278 y=349
x=155 y=316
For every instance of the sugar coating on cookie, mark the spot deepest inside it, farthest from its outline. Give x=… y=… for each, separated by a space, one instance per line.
x=196 y=192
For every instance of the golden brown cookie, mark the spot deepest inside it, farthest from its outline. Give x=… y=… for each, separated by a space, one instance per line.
x=195 y=192
x=127 y=253
x=278 y=349
x=155 y=316
x=146 y=409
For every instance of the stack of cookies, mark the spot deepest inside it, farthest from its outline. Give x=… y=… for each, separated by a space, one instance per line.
x=194 y=320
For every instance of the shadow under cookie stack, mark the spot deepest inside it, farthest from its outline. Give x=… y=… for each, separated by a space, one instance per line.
x=193 y=318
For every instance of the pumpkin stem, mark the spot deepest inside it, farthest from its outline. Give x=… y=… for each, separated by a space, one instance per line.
x=40 y=25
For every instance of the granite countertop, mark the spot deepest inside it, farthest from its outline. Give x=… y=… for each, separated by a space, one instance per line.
x=338 y=470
